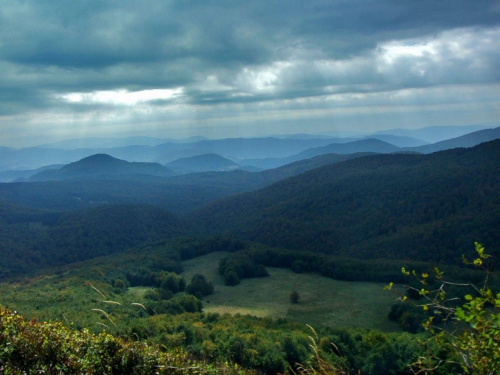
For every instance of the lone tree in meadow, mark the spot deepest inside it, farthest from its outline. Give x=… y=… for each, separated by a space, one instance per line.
x=294 y=297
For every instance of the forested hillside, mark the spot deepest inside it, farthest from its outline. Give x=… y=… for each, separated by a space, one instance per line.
x=31 y=240
x=179 y=195
x=422 y=207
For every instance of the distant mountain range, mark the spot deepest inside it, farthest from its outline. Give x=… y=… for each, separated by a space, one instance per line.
x=101 y=166
x=180 y=193
x=251 y=154
x=96 y=142
x=24 y=175
x=374 y=145
x=398 y=141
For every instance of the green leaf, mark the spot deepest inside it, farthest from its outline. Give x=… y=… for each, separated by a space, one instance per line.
x=460 y=314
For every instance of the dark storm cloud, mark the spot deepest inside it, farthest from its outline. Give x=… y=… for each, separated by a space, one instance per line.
x=97 y=34
x=223 y=52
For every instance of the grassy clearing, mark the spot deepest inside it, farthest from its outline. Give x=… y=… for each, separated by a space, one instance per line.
x=322 y=300
x=71 y=298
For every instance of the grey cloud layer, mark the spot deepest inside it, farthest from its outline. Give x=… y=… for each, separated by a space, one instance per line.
x=224 y=52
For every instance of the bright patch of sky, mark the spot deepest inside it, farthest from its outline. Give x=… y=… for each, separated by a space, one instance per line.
x=122 y=97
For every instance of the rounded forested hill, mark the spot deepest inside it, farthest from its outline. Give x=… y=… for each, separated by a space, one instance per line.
x=423 y=207
x=101 y=166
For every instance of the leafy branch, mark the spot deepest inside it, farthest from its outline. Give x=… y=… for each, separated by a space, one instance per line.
x=472 y=345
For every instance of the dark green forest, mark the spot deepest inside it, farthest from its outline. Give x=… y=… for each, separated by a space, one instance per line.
x=403 y=206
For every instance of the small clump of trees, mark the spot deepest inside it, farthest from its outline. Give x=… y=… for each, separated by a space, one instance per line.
x=240 y=266
x=200 y=287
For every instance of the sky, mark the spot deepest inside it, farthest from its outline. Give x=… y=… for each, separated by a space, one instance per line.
x=220 y=68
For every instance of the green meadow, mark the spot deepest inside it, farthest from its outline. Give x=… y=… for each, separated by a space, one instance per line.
x=72 y=298
x=323 y=301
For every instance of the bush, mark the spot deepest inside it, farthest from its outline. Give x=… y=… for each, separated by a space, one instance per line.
x=172 y=282
x=231 y=278
x=50 y=348
x=199 y=286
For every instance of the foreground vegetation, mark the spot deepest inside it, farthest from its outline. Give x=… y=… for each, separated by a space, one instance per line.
x=50 y=348
x=95 y=300
x=268 y=345
x=465 y=329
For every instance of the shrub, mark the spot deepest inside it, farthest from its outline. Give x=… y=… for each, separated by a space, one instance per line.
x=51 y=348
x=231 y=278
x=199 y=286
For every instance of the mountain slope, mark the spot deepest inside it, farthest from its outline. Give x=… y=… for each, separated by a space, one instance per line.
x=101 y=166
x=433 y=134
x=34 y=239
x=293 y=169
x=467 y=140
x=158 y=191
x=398 y=141
x=108 y=229
x=365 y=145
x=23 y=175
x=424 y=207
x=202 y=163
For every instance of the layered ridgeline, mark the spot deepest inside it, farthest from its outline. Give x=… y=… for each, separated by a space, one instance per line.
x=264 y=153
x=112 y=181
x=234 y=148
x=422 y=207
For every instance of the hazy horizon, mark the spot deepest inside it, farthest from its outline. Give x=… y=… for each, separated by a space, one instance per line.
x=440 y=133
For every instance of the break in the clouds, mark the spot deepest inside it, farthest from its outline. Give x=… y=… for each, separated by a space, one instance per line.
x=228 y=68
